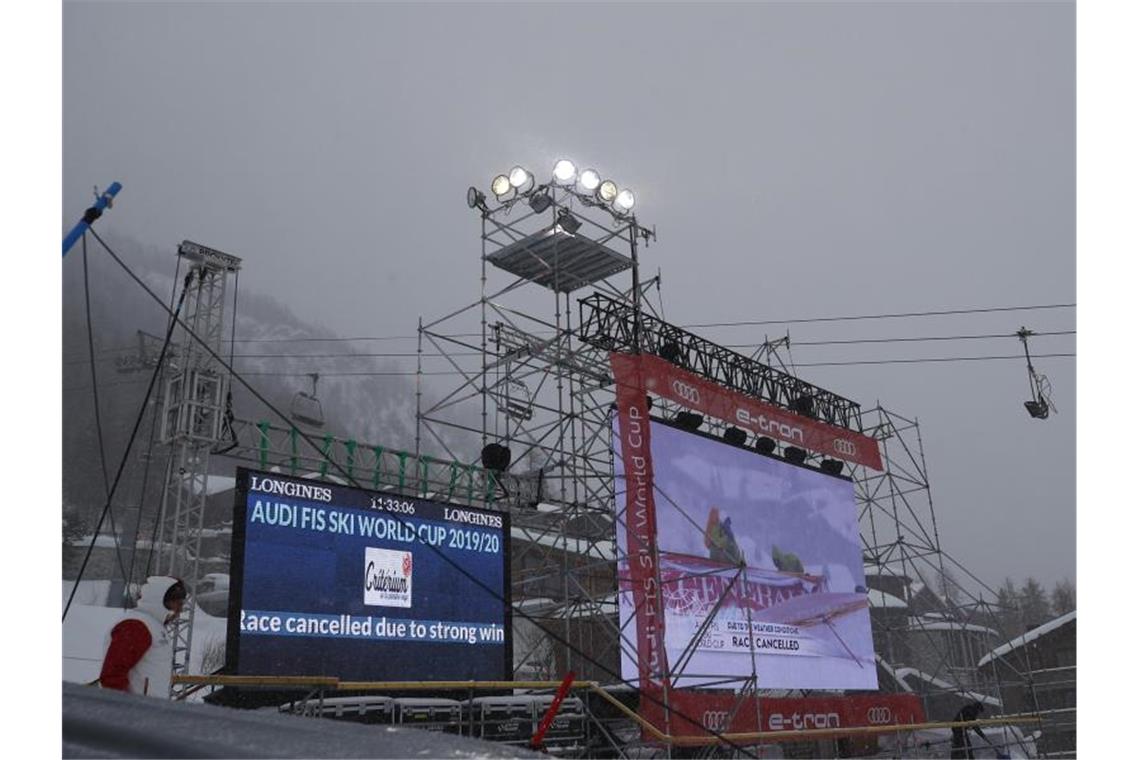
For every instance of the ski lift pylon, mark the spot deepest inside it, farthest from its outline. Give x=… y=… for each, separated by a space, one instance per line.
x=306 y=407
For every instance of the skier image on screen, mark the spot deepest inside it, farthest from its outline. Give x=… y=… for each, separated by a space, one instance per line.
x=720 y=541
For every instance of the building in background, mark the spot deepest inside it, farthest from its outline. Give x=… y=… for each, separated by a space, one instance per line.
x=1037 y=673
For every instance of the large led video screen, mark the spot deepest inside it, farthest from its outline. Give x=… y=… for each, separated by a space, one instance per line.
x=334 y=581
x=761 y=569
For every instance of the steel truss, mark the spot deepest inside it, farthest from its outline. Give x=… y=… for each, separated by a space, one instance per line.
x=610 y=324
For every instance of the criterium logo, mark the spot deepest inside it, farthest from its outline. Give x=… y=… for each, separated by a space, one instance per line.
x=387 y=577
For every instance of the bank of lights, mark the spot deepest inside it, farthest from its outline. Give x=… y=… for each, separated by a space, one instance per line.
x=586 y=184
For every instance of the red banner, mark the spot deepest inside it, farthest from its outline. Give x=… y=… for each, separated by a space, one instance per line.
x=698 y=713
x=695 y=392
x=640 y=520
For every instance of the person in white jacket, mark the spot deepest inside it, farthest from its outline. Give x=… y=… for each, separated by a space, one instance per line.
x=140 y=652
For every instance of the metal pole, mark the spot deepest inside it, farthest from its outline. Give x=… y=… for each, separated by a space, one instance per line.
x=636 y=286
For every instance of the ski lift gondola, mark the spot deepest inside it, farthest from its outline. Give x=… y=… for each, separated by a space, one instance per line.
x=306 y=407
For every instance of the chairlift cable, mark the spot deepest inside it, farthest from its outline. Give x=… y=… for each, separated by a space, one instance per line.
x=946 y=312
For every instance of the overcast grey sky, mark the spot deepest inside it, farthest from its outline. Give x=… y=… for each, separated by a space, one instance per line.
x=799 y=160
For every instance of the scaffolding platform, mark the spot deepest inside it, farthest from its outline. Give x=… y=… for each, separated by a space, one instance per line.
x=559 y=260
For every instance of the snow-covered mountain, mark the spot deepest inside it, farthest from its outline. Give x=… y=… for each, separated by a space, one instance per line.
x=274 y=352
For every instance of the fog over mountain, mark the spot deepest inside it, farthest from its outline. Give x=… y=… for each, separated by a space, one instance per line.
x=376 y=409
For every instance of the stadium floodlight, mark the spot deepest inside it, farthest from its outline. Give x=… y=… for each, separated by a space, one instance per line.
x=607 y=191
x=565 y=172
x=521 y=179
x=624 y=201
x=589 y=180
x=501 y=186
x=476 y=199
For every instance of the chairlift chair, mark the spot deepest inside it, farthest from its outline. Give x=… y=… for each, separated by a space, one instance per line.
x=1039 y=387
x=306 y=407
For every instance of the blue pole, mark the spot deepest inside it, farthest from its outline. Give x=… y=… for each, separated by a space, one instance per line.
x=90 y=215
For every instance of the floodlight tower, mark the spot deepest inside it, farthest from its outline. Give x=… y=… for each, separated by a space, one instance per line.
x=193 y=410
x=537 y=399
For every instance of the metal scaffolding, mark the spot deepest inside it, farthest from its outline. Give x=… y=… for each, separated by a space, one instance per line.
x=193 y=411
x=535 y=377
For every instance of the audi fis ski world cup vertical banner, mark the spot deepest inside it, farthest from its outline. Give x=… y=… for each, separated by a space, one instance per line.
x=760 y=567
x=328 y=580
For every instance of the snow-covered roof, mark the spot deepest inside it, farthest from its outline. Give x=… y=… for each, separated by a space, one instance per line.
x=882 y=599
x=926 y=624
x=972 y=695
x=1028 y=636
x=883 y=571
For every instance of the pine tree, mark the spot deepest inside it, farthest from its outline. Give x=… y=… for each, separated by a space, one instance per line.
x=1064 y=597
x=1035 y=607
x=1009 y=610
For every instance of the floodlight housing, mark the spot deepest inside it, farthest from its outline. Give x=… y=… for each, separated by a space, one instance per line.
x=607 y=191
x=831 y=466
x=624 y=201
x=765 y=445
x=690 y=421
x=476 y=199
x=734 y=436
x=669 y=351
x=519 y=177
x=589 y=180
x=565 y=172
x=794 y=454
x=496 y=457
x=501 y=186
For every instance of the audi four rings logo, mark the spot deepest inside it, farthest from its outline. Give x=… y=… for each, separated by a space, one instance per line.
x=879 y=716
x=686 y=392
x=715 y=720
x=844 y=447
